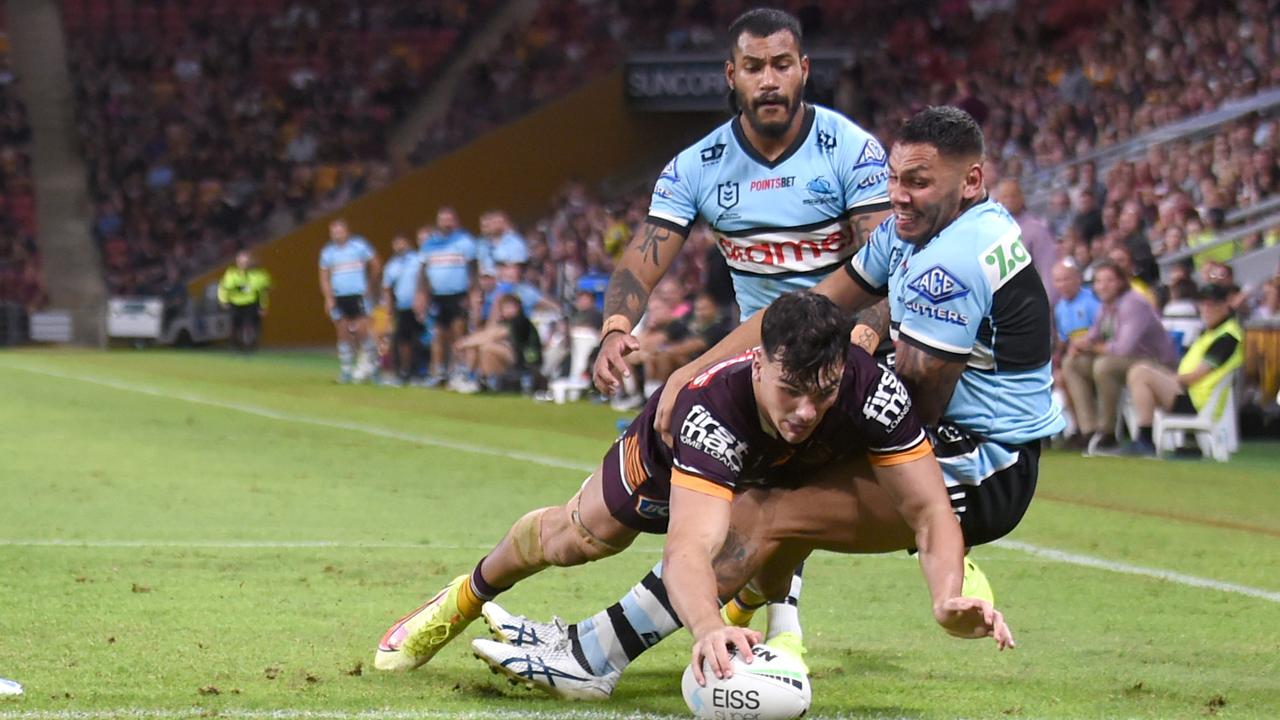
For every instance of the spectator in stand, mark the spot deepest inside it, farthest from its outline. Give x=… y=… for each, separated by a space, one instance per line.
x=1036 y=236
x=1073 y=315
x=508 y=346
x=1180 y=316
x=1269 y=308
x=1217 y=353
x=1126 y=330
x=449 y=257
x=400 y=280
x=245 y=290
x=1120 y=255
x=499 y=243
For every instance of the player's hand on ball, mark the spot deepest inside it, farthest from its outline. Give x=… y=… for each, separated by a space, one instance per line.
x=610 y=368
x=970 y=618
x=718 y=645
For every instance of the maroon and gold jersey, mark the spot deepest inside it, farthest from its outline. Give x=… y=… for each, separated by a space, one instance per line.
x=721 y=442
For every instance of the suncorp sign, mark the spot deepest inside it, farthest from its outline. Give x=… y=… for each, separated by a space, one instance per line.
x=667 y=82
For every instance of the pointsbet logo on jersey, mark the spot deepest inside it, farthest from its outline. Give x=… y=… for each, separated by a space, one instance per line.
x=776 y=183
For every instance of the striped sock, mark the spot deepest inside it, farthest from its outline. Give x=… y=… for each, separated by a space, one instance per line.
x=346 y=355
x=611 y=639
x=785 y=616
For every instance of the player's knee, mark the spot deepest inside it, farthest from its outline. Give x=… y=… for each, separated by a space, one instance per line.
x=566 y=542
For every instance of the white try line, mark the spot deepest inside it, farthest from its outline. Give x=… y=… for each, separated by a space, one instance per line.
x=1126 y=568
x=1035 y=550
x=156 y=714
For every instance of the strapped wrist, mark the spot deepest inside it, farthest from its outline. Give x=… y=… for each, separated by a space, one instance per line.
x=616 y=323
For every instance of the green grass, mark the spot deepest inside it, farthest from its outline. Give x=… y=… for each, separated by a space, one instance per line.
x=183 y=454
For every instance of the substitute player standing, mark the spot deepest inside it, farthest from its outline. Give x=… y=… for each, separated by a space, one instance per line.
x=348 y=268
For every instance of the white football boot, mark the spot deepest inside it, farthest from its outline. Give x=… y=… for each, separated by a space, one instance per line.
x=519 y=630
x=552 y=668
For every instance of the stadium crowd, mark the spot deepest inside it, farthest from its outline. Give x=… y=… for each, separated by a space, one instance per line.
x=21 y=283
x=209 y=126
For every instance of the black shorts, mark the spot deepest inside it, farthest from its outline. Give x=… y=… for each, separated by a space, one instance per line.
x=633 y=496
x=447 y=308
x=245 y=315
x=1182 y=405
x=408 y=329
x=349 y=307
x=991 y=510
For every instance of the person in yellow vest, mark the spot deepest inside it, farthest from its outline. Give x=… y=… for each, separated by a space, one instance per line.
x=1213 y=356
x=244 y=289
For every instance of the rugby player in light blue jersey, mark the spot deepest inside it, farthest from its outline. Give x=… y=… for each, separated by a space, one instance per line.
x=399 y=291
x=790 y=190
x=969 y=320
x=449 y=255
x=348 y=269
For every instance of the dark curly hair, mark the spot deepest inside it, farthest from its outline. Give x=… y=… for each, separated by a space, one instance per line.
x=951 y=130
x=807 y=334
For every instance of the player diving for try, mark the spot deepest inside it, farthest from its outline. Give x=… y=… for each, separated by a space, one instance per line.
x=790 y=190
x=771 y=416
x=972 y=343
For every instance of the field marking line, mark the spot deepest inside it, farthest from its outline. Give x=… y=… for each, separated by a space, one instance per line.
x=268 y=413
x=1128 y=569
x=283 y=714
x=1035 y=550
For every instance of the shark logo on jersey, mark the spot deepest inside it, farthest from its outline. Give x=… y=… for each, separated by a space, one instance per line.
x=872 y=154
x=821 y=189
x=938 y=285
x=669 y=172
x=727 y=195
x=711 y=154
x=826 y=141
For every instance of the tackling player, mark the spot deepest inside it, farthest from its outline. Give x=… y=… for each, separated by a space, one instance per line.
x=348 y=268
x=972 y=342
x=767 y=417
x=790 y=191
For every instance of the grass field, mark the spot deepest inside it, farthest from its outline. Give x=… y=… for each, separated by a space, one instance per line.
x=189 y=534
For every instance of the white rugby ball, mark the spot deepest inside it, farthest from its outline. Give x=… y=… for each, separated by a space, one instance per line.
x=774 y=687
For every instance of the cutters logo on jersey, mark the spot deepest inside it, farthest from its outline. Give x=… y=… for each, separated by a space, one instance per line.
x=889 y=403
x=872 y=154
x=938 y=285
x=702 y=432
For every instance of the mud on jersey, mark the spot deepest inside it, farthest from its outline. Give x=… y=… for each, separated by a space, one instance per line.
x=780 y=224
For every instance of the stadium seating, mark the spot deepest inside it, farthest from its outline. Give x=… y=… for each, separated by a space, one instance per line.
x=207 y=125
x=21 y=283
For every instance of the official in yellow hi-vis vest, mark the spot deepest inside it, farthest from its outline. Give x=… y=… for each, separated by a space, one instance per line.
x=1212 y=357
x=244 y=289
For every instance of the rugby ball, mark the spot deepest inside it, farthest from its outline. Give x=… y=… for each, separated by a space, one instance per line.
x=774 y=687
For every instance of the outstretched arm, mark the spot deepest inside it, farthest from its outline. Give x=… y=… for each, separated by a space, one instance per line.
x=643 y=263
x=917 y=489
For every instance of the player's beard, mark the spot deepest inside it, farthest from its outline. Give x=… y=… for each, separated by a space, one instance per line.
x=750 y=108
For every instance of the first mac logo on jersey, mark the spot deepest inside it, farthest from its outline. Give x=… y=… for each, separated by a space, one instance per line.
x=938 y=285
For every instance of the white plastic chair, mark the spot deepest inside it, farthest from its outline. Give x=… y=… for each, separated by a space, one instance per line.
x=1216 y=432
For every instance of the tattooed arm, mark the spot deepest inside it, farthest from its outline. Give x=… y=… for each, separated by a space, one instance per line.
x=930 y=379
x=643 y=263
x=872 y=327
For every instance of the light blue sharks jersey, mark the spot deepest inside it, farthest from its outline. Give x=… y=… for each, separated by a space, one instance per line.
x=401 y=277
x=972 y=294
x=780 y=224
x=346 y=264
x=448 y=261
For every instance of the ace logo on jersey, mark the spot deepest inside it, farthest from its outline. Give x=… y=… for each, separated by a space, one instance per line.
x=938 y=285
